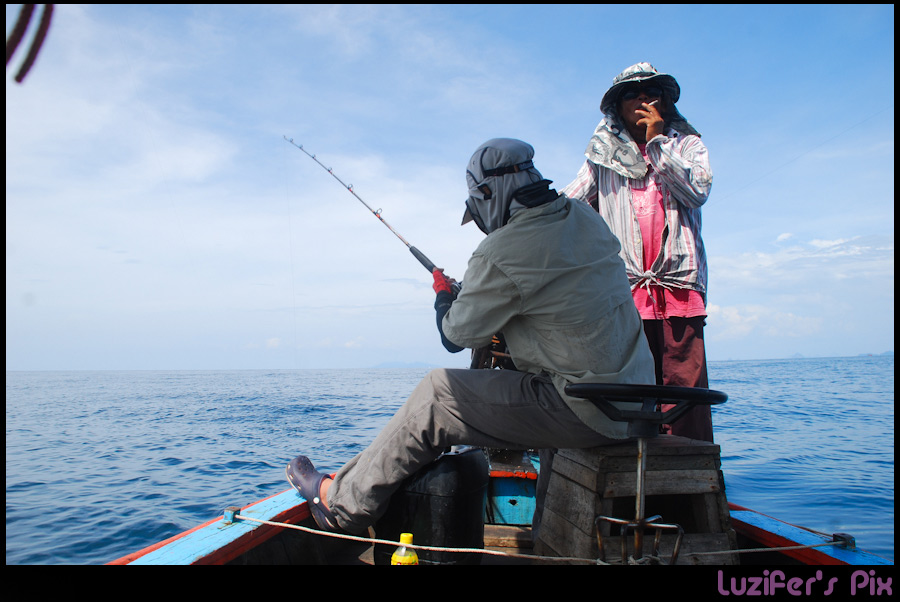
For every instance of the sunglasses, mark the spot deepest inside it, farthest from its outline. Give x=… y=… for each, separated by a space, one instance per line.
x=632 y=93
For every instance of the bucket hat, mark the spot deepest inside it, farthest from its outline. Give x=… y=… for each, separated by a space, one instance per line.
x=611 y=146
x=639 y=73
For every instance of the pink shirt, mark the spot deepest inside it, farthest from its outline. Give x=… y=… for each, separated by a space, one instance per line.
x=657 y=302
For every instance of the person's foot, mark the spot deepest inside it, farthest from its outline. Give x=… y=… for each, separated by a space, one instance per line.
x=313 y=486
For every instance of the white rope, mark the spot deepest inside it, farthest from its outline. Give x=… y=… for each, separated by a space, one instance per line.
x=416 y=546
x=373 y=541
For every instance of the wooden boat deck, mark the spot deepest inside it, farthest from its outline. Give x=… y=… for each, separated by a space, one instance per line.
x=294 y=547
x=498 y=538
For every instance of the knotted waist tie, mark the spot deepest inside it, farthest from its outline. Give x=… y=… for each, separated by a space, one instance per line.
x=648 y=279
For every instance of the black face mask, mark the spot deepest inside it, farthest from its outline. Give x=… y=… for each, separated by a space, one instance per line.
x=532 y=195
x=536 y=194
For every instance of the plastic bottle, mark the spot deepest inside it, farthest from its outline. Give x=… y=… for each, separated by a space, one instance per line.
x=404 y=555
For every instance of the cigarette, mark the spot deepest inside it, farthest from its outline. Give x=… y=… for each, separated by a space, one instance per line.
x=653 y=103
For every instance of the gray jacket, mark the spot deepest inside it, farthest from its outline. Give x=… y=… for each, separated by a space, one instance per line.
x=552 y=282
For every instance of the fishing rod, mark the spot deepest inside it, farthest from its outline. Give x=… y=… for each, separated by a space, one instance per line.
x=416 y=253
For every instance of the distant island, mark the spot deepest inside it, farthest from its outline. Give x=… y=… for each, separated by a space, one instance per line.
x=796 y=356
x=801 y=356
x=404 y=365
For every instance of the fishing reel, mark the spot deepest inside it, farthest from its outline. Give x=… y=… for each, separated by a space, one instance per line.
x=494 y=355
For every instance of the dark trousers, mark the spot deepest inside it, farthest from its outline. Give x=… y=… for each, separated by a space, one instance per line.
x=680 y=358
x=505 y=409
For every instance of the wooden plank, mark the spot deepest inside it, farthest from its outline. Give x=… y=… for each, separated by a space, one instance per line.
x=509 y=539
x=662 y=445
x=673 y=482
x=574 y=471
x=701 y=549
x=716 y=507
x=696 y=548
x=664 y=453
x=507 y=536
x=559 y=537
x=567 y=498
x=660 y=463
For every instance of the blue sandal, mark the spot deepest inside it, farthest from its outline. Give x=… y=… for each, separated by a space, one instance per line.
x=304 y=477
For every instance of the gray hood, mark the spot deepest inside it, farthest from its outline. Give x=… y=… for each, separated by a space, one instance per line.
x=498 y=170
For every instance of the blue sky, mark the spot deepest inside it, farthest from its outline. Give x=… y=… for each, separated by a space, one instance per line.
x=156 y=218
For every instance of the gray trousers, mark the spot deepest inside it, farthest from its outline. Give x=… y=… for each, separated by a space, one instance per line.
x=484 y=408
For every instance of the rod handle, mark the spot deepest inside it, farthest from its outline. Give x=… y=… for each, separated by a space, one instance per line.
x=422 y=259
x=430 y=266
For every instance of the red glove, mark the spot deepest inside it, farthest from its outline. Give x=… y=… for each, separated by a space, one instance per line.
x=441 y=282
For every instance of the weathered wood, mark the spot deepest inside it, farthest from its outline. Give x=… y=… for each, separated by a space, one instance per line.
x=683 y=484
x=668 y=482
x=667 y=444
x=507 y=536
x=695 y=549
x=586 y=476
x=577 y=503
x=662 y=454
x=558 y=537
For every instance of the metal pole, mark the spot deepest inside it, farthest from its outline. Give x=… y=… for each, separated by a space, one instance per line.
x=639 y=497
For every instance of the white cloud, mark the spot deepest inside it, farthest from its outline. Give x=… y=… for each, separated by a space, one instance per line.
x=354 y=344
x=150 y=197
x=743 y=321
x=826 y=244
x=814 y=266
x=803 y=298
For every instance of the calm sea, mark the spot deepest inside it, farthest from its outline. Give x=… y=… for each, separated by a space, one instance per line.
x=101 y=464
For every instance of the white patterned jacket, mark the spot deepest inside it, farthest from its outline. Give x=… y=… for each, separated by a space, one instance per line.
x=680 y=166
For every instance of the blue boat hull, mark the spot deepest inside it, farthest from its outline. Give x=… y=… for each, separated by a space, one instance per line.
x=245 y=535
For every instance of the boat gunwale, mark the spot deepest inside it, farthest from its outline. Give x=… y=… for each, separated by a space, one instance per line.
x=251 y=534
x=771 y=532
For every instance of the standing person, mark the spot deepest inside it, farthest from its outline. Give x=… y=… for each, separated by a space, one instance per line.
x=647 y=173
x=565 y=309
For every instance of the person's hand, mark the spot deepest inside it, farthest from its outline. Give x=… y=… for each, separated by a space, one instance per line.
x=441 y=282
x=651 y=118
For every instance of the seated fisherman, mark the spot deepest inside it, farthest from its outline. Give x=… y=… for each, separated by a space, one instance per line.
x=548 y=276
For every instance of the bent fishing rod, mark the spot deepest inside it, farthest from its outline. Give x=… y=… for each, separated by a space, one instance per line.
x=416 y=253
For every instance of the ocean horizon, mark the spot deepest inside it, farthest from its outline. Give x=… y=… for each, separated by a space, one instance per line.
x=103 y=463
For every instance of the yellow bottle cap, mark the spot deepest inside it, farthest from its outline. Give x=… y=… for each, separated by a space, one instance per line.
x=406 y=538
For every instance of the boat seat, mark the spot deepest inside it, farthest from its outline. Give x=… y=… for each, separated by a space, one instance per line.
x=646 y=421
x=680 y=476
